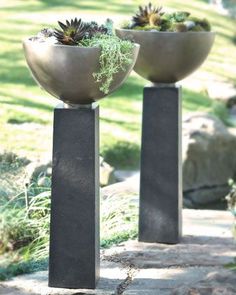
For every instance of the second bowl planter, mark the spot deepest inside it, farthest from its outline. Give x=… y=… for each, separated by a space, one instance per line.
x=172 y=45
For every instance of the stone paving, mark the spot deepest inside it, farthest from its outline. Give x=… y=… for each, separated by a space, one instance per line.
x=195 y=266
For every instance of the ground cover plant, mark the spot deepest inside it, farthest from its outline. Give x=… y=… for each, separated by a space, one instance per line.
x=24 y=227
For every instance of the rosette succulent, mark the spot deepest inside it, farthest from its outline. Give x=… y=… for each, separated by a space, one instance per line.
x=147 y=16
x=74 y=31
x=71 y=33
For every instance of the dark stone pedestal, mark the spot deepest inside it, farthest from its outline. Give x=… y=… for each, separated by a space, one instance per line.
x=161 y=165
x=74 y=237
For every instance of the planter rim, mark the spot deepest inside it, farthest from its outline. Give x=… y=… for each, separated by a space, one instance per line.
x=27 y=40
x=166 y=32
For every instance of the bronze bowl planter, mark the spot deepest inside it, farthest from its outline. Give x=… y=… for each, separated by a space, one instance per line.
x=66 y=72
x=168 y=57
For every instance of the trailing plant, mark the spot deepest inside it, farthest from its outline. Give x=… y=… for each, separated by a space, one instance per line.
x=151 y=18
x=115 y=53
x=115 y=56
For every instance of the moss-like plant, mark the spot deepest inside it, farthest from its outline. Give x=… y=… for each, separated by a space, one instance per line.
x=115 y=55
x=150 y=18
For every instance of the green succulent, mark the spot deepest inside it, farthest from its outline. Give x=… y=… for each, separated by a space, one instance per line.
x=178 y=27
x=92 y=29
x=180 y=16
x=165 y=24
x=203 y=23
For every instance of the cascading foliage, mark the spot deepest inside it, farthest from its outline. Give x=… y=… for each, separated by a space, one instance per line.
x=115 y=53
x=152 y=18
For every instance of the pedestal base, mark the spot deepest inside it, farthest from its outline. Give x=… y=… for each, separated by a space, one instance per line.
x=74 y=237
x=161 y=173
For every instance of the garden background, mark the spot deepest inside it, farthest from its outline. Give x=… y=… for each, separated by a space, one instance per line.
x=26 y=115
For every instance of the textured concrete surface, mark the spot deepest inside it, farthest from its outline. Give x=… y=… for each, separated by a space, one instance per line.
x=74 y=228
x=194 y=266
x=160 y=218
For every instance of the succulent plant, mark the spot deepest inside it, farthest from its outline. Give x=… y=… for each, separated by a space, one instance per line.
x=147 y=15
x=92 y=28
x=151 y=18
x=201 y=24
x=178 y=27
x=180 y=16
x=72 y=32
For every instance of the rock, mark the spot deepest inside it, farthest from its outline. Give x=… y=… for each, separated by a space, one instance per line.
x=106 y=173
x=209 y=159
x=123 y=175
x=222 y=91
x=128 y=187
x=37 y=170
x=196 y=264
x=216 y=283
x=42 y=170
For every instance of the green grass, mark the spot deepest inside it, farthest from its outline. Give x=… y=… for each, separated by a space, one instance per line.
x=22 y=101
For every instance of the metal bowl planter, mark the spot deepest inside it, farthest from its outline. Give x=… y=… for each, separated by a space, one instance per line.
x=66 y=72
x=168 y=57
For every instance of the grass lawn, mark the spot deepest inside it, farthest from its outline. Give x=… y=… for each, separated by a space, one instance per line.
x=26 y=110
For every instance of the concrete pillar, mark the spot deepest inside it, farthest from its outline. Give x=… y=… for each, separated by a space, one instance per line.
x=161 y=166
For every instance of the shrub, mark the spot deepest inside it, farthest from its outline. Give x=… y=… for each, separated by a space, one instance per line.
x=122 y=154
x=234 y=38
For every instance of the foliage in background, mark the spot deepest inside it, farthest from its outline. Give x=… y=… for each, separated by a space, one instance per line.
x=230 y=5
x=122 y=154
x=24 y=228
x=231 y=200
x=234 y=38
x=119 y=218
x=220 y=110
